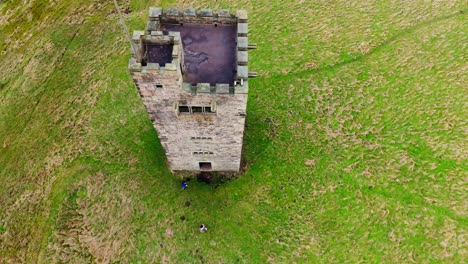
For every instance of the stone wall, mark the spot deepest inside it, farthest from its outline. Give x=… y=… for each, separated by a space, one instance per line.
x=191 y=138
x=217 y=137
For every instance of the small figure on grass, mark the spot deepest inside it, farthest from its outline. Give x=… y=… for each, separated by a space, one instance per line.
x=203 y=228
x=184 y=185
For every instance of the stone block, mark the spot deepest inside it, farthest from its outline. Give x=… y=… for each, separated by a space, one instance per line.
x=190 y=12
x=172 y=12
x=152 y=67
x=222 y=88
x=170 y=67
x=187 y=87
x=206 y=12
x=203 y=88
x=242 y=43
x=242 y=57
x=137 y=35
x=242 y=15
x=155 y=12
x=243 y=72
x=176 y=61
x=224 y=13
x=175 y=51
x=156 y=33
x=135 y=48
x=242 y=89
x=152 y=26
x=242 y=28
x=133 y=65
x=175 y=35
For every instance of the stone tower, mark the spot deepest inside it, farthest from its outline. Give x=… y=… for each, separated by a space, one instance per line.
x=191 y=71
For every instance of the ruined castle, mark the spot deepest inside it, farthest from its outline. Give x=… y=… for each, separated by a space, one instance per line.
x=190 y=68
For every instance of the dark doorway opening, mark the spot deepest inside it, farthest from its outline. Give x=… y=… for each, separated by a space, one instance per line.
x=205 y=166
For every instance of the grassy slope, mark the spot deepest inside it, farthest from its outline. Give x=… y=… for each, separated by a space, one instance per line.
x=364 y=157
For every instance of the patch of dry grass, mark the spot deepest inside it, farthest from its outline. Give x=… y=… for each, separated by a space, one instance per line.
x=355 y=143
x=295 y=35
x=45 y=114
x=94 y=223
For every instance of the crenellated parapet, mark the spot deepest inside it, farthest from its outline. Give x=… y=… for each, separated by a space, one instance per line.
x=169 y=43
x=165 y=27
x=191 y=69
x=192 y=15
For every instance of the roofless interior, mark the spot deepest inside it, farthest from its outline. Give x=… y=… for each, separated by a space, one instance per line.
x=209 y=51
x=158 y=53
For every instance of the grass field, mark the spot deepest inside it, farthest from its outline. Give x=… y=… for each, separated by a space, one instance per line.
x=356 y=139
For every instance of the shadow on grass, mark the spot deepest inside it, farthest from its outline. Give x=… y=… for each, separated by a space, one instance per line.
x=259 y=131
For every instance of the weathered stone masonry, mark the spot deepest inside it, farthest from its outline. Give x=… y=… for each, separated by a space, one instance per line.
x=191 y=71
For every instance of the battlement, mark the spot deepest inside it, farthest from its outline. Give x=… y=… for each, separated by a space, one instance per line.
x=191 y=70
x=210 y=49
x=156 y=51
x=191 y=15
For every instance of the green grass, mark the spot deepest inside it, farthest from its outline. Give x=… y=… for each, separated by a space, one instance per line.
x=355 y=140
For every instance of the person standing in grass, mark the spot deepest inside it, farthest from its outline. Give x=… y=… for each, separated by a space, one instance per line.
x=203 y=228
x=184 y=185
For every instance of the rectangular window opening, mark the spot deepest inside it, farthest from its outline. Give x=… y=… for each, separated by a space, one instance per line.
x=158 y=86
x=184 y=109
x=202 y=138
x=205 y=166
x=203 y=153
x=196 y=109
